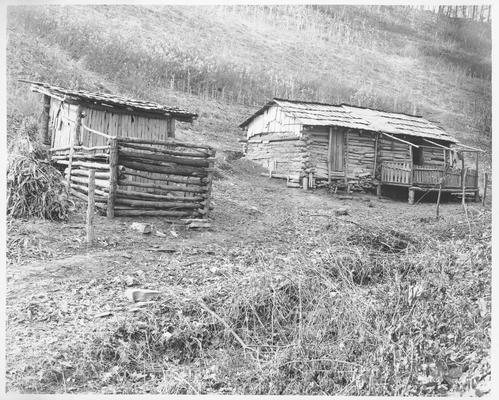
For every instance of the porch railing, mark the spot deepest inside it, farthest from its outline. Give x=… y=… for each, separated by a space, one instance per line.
x=401 y=173
x=396 y=172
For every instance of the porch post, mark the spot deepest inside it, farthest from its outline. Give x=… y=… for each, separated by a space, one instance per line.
x=462 y=169
x=411 y=160
x=476 y=169
x=412 y=191
x=375 y=154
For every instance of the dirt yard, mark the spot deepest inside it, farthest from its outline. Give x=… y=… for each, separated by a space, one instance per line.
x=60 y=292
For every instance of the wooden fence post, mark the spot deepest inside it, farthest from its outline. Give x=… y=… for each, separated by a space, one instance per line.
x=77 y=131
x=45 y=119
x=485 y=183
x=113 y=179
x=209 y=177
x=91 y=207
x=438 y=198
x=464 y=187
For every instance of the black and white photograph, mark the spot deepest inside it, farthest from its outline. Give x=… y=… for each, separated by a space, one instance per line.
x=248 y=199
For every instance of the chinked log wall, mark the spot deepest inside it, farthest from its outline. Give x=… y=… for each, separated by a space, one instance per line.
x=358 y=148
x=280 y=153
x=136 y=176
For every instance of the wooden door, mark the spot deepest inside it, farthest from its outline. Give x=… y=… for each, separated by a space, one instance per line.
x=336 y=151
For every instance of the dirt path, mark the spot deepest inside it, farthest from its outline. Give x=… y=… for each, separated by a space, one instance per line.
x=249 y=209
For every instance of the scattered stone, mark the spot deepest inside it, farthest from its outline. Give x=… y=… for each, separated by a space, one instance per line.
x=140 y=273
x=160 y=234
x=196 y=223
x=136 y=295
x=341 y=211
x=131 y=281
x=173 y=233
x=141 y=227
x=199 y=224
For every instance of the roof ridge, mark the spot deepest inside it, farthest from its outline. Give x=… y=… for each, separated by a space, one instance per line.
x=306 y=102
x=115 y=100
x=383 y=111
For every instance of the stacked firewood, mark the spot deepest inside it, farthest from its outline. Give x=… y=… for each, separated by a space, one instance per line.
x=365 y=182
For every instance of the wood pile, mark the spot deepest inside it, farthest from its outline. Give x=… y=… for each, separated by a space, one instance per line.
x=141 y=177
x=364 y=183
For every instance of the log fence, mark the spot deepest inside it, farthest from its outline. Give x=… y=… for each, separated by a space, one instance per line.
x=141 y=177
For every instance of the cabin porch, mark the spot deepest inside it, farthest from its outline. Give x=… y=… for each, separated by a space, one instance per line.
x=428 y=178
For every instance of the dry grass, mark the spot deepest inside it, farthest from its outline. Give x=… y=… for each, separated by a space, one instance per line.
x=347 y=308
x=367 y=55
x=332 y=317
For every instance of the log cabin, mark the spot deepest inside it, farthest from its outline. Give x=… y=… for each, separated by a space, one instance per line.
x=139 y=166
x=310 y=144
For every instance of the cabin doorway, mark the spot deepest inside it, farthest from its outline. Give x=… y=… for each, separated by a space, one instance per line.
x=336 y=151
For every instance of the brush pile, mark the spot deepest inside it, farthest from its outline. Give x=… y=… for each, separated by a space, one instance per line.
x=34 y=187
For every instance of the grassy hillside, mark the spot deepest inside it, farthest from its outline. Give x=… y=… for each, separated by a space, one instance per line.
x=222 y=62
x=282 y=295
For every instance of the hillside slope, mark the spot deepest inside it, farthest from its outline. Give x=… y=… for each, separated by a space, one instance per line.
x=222 y=62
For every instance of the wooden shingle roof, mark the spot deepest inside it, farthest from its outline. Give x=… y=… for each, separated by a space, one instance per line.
x=401 y=124
x=112 y=101
x=311 y=113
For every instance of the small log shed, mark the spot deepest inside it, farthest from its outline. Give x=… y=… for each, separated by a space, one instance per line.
x=140 y=168
x=311 y=143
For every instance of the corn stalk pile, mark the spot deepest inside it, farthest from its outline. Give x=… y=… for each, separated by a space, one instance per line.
x=36 y=189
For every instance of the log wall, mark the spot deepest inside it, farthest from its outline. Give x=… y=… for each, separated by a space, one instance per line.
x=175 y=177
x=317 y=146
x=432 y=155
x=361 y=147
x=281 y=153
x=358 y=151
x=392 y=150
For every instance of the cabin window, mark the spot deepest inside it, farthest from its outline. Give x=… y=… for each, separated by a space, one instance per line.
x=417 y=156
